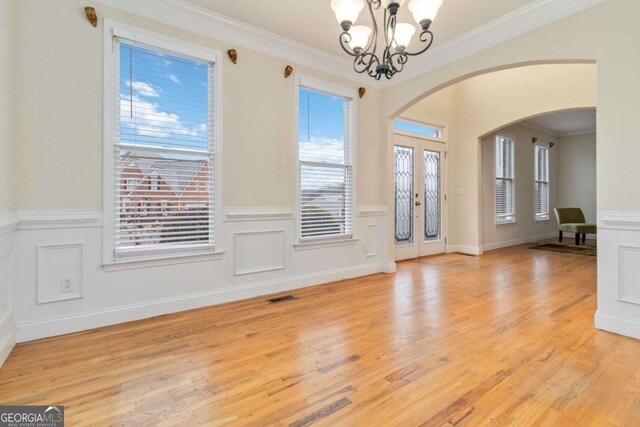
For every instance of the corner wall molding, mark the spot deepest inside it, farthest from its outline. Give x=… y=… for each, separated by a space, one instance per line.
x=38 y=220
x=8 y=223
x=195 y=19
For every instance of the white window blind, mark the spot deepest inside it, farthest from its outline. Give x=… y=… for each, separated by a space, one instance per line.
x=163 y=150
x=542 y=182
x=505 y=180
x=325 y=162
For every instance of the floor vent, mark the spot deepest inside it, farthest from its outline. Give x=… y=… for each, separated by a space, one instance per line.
x=281 y=299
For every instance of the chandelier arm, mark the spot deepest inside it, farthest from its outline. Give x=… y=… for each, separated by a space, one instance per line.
x=387 y=22
x=373 y=4
x=425 y=37
x=344 y=39
x=397 y=61
x=364 y=63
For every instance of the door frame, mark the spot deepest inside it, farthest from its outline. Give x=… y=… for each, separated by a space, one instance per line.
x=420 y=143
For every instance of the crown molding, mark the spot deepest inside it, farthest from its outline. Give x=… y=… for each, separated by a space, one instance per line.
x=195 y=19
x=537 y=128
x=189 y=17
x=577 y=133
x=516 y=23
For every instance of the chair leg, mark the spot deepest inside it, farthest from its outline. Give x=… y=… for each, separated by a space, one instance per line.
x=584 y=237
x=560 y=236
x=578 y=239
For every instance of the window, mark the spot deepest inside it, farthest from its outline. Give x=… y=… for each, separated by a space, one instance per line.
x=505 y=183
x=144 y=207
x=325 y=162
x=417 y=129
x=542 y=183
x=130 y=184
x=154 y=183
x=162 y=128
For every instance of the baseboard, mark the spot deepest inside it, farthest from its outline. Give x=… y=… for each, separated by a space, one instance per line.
x=464 y=249
x=96 y=319
x=618 y=325
x=516 y=242
x=7 y=338
x=389 y=267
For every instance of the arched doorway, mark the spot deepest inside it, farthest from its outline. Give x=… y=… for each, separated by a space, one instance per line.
x=468 y=108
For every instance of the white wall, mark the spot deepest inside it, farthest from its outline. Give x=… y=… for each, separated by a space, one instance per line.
x=577 y=174
x=526 y=229
x=7 y=206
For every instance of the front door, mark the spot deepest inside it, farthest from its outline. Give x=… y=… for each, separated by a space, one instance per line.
x=419 y=165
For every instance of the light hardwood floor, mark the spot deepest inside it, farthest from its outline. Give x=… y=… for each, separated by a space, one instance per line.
x=502 y=339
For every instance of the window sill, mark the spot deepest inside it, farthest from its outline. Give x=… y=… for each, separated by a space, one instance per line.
x=135 y=263
x=498 y=224
x=543 y=219
x=325 y=244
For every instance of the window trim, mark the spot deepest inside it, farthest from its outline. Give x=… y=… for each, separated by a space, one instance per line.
x=336 y=90
x=547 y=216
x=111 y=30
x=513 y=221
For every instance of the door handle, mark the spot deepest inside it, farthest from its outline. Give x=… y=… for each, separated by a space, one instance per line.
x=417 y=203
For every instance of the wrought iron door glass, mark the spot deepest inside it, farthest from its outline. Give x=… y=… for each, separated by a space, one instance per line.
x=432 y=207
x=403 y=219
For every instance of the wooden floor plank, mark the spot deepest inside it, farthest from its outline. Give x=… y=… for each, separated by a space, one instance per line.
x=502 y=339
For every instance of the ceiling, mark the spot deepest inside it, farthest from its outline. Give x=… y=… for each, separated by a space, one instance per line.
x=313 y=23
x=566 y=122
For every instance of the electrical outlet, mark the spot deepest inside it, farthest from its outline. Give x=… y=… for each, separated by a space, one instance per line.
x=67 y=284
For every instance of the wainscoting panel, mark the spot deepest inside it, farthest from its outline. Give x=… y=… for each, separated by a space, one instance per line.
x=629 y=260
x=259 y=251
x=619 y=273
x=256 y=254
x=372 y=239
x=60 y=274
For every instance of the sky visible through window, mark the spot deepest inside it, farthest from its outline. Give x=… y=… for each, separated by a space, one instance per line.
x=321 y=127
x=169 y=96
x=416 y=128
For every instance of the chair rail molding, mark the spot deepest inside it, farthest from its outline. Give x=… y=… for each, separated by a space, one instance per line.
x=258 y=213
x=8 y=223
x=195 y=19
x=619 y=220
x=45 y=219
x=372 y=210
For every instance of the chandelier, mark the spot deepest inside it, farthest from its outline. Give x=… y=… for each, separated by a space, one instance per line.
x=361 y=41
